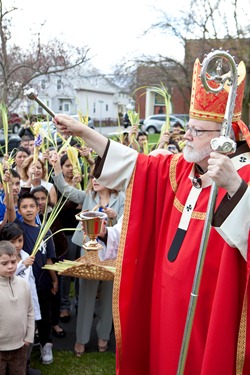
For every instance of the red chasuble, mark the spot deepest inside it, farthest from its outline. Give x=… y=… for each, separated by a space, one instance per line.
x=152 y=294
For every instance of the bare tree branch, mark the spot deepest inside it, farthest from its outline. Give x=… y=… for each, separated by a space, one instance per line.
x=206 y=24
x=18 y=67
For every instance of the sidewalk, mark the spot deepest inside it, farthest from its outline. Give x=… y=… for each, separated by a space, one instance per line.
x=67 y=343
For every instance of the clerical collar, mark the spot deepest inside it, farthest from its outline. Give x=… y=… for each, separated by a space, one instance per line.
x=199 y=170
x=199 y=177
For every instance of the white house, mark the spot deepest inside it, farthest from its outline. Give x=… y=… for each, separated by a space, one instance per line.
x=79 y=90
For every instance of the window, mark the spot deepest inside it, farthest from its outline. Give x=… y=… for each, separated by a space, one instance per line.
x=43 y=84
x=159 y=99
x=94 y=107
x=107 y=107
x=159 y=118
x=66 y=107
x=59 y=84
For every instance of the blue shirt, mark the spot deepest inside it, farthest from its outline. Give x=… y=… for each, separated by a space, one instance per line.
x=46 y=251
x=3 y=209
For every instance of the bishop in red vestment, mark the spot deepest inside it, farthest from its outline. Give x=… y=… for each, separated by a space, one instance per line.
x=166 y=203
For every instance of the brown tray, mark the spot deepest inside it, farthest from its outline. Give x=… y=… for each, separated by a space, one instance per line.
x=91 y=267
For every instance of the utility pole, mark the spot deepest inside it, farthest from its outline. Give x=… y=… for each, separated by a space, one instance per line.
x=100 y=120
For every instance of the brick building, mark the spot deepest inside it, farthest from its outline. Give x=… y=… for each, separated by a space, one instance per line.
x=177 y=78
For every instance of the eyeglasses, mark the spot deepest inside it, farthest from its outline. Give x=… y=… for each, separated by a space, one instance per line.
x=198 y=132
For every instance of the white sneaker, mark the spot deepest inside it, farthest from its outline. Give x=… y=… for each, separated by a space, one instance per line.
x=46 y=354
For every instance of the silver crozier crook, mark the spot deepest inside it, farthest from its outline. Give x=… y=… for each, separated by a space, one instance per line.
x=221 y=144
x=32 y=95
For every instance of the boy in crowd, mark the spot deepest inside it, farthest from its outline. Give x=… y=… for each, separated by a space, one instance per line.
x=13 y=233
x=16 y=187
x=16 y=314
x=31 y=145
x=25 y=141
x=137 y=139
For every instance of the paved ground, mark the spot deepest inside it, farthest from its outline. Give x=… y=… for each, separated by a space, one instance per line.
x=68 y=342
x=106 y=130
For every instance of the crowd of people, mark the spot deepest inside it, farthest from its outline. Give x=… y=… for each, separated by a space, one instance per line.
x=154 y=234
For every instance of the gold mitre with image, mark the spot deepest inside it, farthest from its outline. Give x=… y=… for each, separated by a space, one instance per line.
x=209 y=106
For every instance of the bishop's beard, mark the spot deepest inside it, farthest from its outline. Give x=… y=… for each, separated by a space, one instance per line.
x=192 y=156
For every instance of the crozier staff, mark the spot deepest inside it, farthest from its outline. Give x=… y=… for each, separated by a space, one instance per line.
x=159 y=247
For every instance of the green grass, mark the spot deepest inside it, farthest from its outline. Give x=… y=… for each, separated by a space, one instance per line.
x=66 y=363
x=153 y=138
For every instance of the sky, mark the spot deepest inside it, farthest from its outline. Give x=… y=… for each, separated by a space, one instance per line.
x=112 y=29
